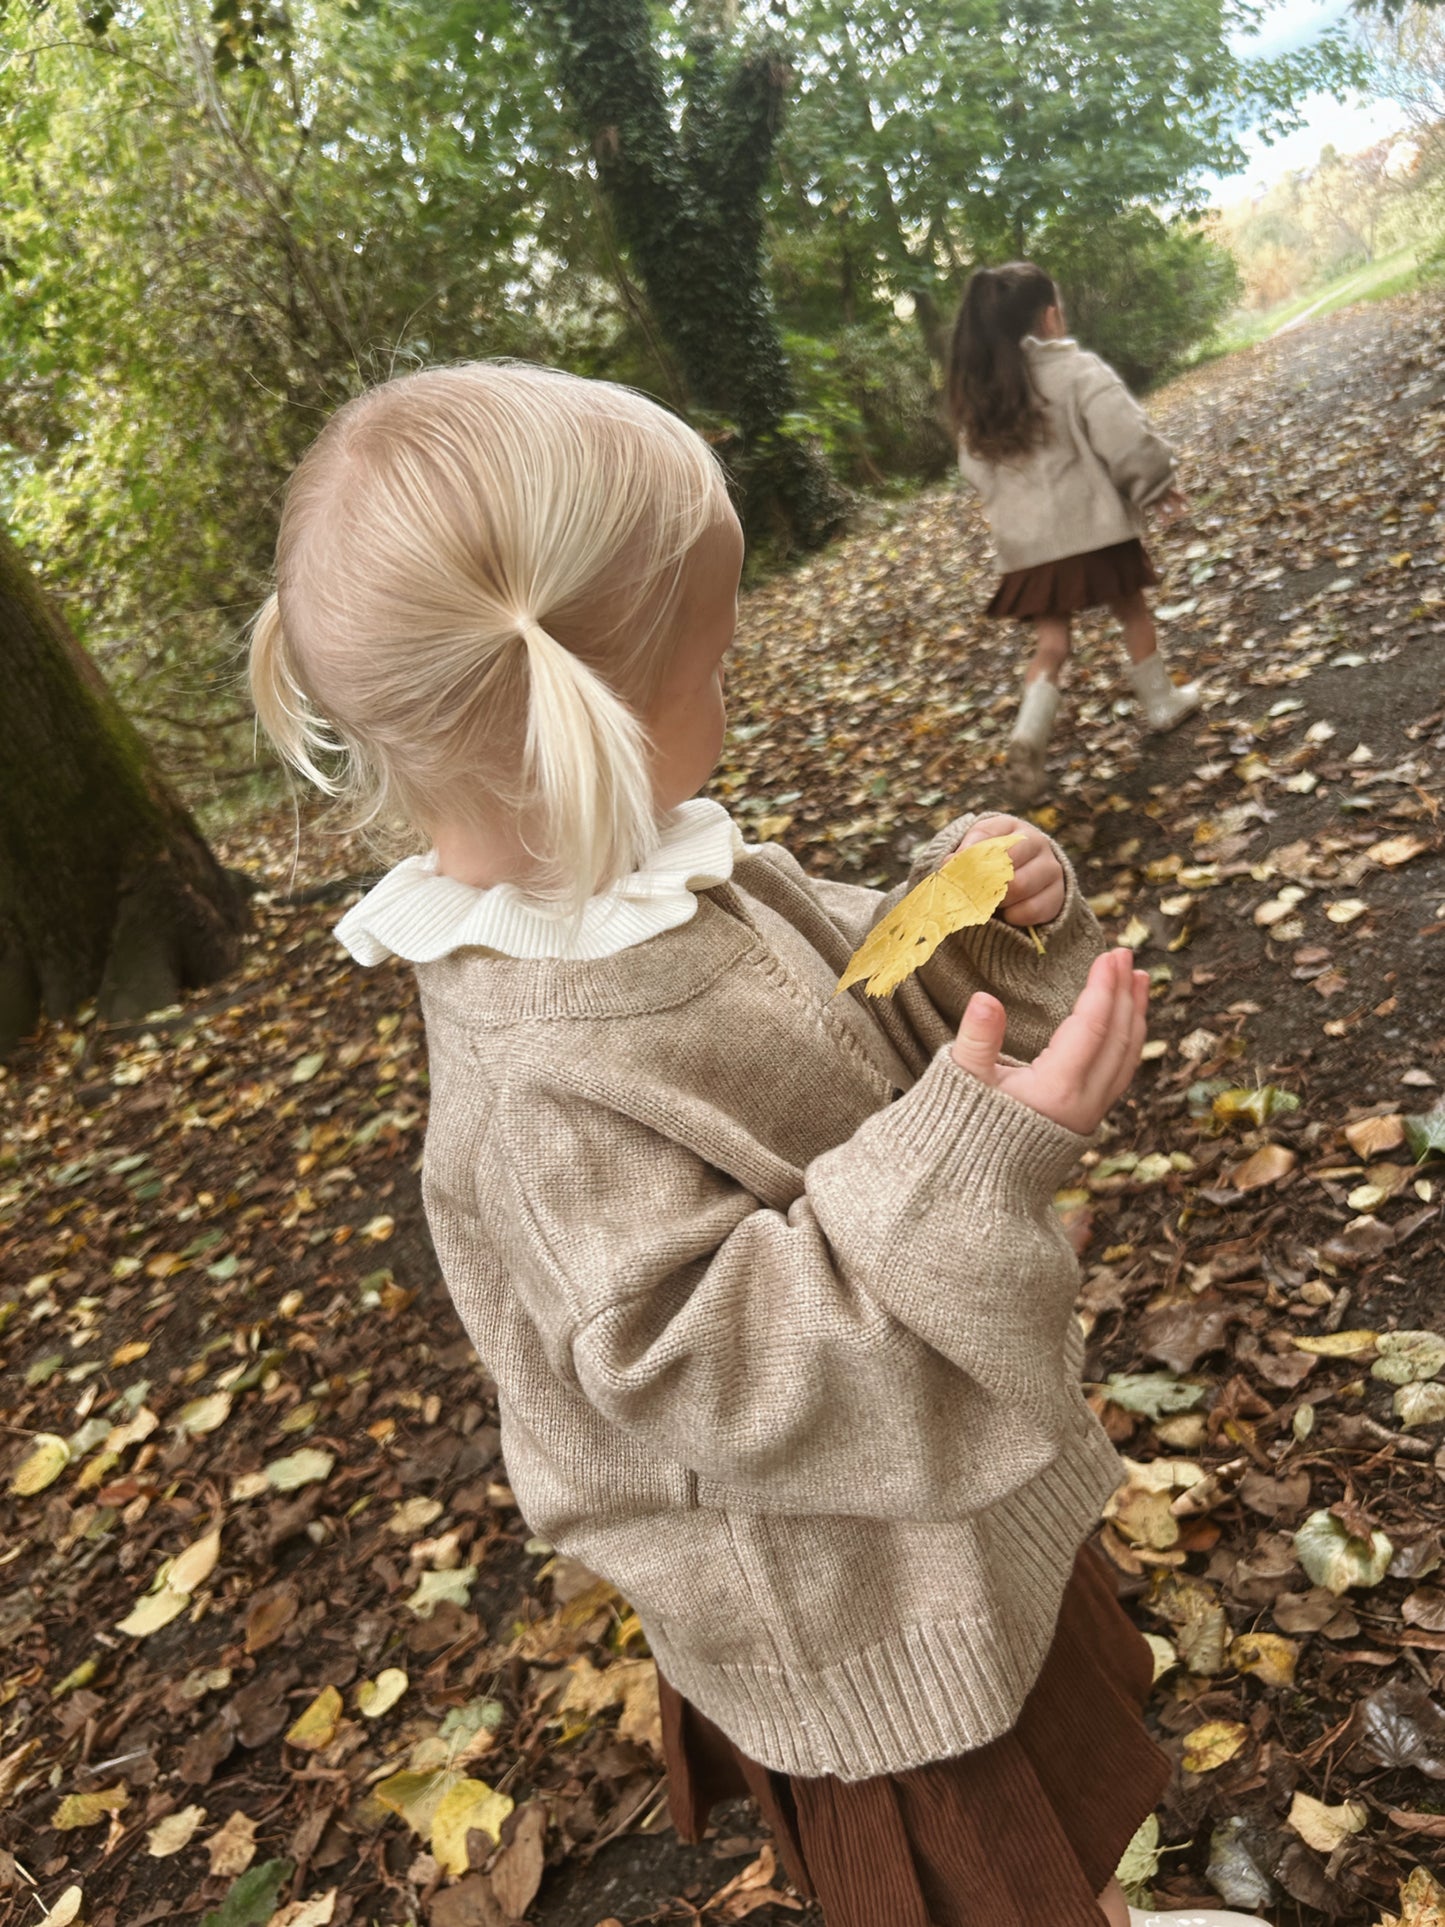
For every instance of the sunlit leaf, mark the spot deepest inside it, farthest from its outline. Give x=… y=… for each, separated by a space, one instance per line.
x=1323 y=1827
x=46 y=1460
x=87 y=1809
x=467 y=1806
x=175 y=1832
x=316 y=1728
x=378 y=1696
x=1211 y=1745
x=152 y=1611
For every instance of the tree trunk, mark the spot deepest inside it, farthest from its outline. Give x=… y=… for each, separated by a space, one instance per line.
x=688 y=208
x=107 y=889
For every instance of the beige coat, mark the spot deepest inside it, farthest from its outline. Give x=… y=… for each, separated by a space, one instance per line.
x=1086 y=484
x=778 y=1306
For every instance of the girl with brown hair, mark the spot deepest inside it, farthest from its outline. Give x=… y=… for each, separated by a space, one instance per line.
x=1066 y=463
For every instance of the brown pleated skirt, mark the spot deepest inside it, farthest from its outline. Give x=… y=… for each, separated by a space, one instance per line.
x=1023 y=1831
x=1075 y=582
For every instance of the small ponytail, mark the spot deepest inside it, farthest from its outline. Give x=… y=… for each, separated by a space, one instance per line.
x=585 y=765
x=281 y=705
x=992 y=403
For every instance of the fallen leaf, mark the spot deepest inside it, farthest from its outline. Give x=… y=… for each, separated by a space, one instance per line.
x=1422 y=1902
x=206 y=1414
x=1408 y=1357
x=1346 y=910
x=377 y=1696
x=309 y=1466
x=317 y=1726
x=251 y=1900
x=1257 y=1106
x=1338 y=1344
x=47 y=1459
x=1400 y=1726
x=150 y=1613
x=232 y=1847
x=1140 y=1863
x=966 y=890
x=66 y=1910
x=1373 y=1135
x=1152 y=1394
x=434 y=1588
x=467 y=1806
x=170 y=1835
x=1268 y=1165
x=195 y=1565
x=1425 y=1136
x=268 y=1616
x=1337 y=1560
x=1420 y=1404
x=516 y=1873
x=87 y=1809
x=1266 y=1656
x=1425 y=1607
x=316 y=1912
x=1211 y=1745
x=1395 y=850
x=1322 y=1827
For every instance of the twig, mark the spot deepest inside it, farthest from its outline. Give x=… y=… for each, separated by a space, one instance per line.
x=604 y=1839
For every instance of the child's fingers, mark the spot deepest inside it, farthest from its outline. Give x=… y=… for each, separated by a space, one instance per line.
x=1088 y=1049
x=980 y=1037
x=1138 y=1027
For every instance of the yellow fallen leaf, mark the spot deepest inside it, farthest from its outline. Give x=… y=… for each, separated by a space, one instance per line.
x=129 y=1353
x=1322 y=1827
x=317 y=1726
x=1337 y=1344
x=377 y=1696
x=1210 y=1745
x=170 y=1835
x=1422 y=1902
x=1346 y=910
x=417 y=1796
x=86 y=1809
x=195 y=1565
x=1166 y=1654
x=1268 y=1165
x=467 y=1807
x=627 y=1683
x=204 y=1414
x=66 y=1910
x=1140 y=1863
x=316 y=1912
x=1267 y=1656
x=47 y=1459
x=155 y=1610
x=965 y=891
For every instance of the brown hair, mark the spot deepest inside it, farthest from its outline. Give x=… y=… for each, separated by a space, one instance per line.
x=992 y=402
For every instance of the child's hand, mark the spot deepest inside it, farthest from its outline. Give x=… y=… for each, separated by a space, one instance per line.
x=1088 y=1061
x=1036 y=894
x=1170 y=506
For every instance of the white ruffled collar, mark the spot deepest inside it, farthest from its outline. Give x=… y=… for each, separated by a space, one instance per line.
x=417 y=913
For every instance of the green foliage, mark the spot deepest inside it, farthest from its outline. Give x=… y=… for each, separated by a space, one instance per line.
x=1140 y=291
x=205 y=252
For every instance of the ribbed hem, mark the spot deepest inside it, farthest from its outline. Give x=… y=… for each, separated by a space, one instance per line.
x=922 y=1692
x=965 y=1130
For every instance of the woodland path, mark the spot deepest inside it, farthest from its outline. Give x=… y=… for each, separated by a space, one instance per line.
x=218 y=1297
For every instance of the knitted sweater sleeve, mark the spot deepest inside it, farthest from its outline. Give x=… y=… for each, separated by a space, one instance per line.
x=1139 y=461
x=901 y=1338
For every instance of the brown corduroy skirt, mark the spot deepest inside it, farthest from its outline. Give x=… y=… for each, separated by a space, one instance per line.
x=1025 y=1830
x=1074 y=582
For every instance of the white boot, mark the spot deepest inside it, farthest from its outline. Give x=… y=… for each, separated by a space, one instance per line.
x=1163 y=702
x=1029 y=742
x=1193 y=1917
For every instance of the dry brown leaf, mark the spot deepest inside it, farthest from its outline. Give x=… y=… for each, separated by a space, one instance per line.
x=1322 y=1827
x=232 y=1847
x=1267 y=1165
x=964 y=891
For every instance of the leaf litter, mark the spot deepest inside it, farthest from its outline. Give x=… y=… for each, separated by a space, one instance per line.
x=232 y=1385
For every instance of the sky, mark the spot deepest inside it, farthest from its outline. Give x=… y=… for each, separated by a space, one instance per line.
x=1349 y=126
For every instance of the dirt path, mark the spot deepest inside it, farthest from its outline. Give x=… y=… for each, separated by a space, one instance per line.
x=219 y=1301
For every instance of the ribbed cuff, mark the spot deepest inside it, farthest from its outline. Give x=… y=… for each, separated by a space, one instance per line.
x=966 y=1131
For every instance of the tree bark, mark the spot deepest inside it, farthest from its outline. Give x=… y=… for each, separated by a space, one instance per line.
x=107 y=888
x=687 y=202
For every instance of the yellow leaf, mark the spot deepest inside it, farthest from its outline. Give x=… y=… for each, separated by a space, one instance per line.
x=1267 y=1656
x=1140 y=1862
x=1210 y=1745
x=628 y=1683
x=195 y=1565
x=1322 y=1827
x=966 y=890
x=1166 y=1656
x=377 y=1696
x=1422 y=1902
x=66 y=1910
x=86 y=1809
x=316 y=1912
x=467 y=1807
x=416 y=1796
x=1337 y=1344
x=155 y=1610
x=317 y=1726
x=128 y=1354
x=204 y=1414
x=49 y=1455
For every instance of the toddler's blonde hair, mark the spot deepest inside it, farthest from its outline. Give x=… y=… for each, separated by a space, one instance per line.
x=474 y=575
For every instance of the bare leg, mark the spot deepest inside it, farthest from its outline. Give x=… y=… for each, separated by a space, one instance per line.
x=1135 y=618
x=1113 y=1906
x=1051 y=647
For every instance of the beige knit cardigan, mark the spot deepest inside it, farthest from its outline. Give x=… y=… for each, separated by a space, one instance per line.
x=778 y=1307
x=1085 y=486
